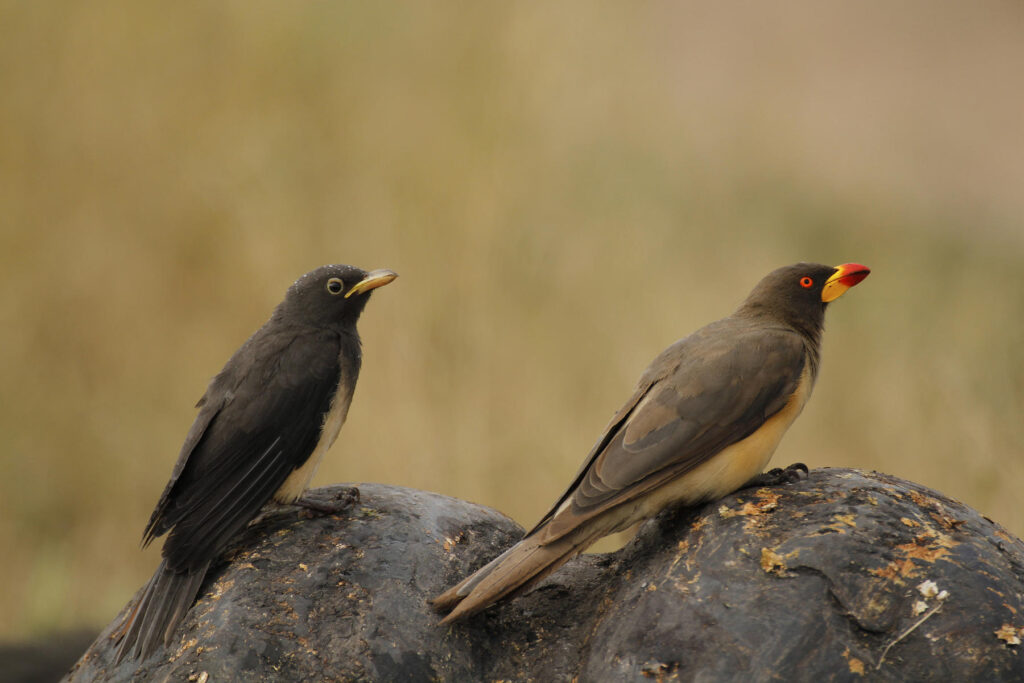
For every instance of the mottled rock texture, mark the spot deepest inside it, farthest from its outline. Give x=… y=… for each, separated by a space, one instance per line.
x=846 y=575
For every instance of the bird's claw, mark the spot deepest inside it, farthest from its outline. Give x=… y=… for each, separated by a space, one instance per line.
x=337 y=501
x=774 y=477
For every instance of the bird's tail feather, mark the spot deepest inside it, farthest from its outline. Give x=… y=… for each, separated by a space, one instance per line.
x=516 y=570
x=159 y=610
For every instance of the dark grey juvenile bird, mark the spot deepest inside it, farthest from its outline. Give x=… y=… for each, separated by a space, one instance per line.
x=264 y=424
x=704 y=420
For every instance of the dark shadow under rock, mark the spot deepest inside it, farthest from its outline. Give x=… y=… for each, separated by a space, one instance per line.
x=842 y=576
x=44 y=659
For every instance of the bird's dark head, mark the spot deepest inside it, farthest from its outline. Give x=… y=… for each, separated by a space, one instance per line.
x=797 y=295
x=331 y=295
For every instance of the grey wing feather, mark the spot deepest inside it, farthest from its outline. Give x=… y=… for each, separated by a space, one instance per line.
x=724 y=387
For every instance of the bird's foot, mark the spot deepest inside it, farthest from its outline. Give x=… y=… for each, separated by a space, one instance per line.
x=790 y=475
x=330 y=504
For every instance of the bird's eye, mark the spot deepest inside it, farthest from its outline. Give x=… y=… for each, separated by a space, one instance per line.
x=335 y=285
x=806 y=282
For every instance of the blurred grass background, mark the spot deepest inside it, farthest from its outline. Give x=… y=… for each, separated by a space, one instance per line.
x=565 y=190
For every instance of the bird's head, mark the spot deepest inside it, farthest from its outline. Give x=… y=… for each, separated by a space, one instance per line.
x=332 y=295
x=798 y=294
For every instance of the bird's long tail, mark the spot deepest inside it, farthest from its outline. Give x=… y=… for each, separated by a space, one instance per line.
x=515 y=571
x=156 y=615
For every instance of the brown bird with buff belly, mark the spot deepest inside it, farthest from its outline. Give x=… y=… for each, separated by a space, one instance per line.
x=704 y=420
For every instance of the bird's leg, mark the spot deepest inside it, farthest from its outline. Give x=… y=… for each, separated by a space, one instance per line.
x=337 y=501
x=792 y=474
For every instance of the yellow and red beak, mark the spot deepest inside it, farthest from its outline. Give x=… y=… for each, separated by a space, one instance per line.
x=846 y=276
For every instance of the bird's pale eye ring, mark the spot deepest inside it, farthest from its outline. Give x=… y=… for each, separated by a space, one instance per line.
x=806 y=282
x=335 y=286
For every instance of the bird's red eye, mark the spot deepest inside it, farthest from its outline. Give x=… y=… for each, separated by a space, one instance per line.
x=806 y=282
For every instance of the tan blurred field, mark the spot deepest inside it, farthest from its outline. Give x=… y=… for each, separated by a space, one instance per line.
x=564 y=191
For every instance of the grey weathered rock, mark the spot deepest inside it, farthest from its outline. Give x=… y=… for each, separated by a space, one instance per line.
x=820 y=580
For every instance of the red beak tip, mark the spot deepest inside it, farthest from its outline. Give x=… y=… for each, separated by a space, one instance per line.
x=854 y=273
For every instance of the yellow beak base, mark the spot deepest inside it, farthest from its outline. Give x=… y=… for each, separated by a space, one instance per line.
x=846 y=276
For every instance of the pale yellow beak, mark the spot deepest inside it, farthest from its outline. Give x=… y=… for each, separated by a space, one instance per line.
x=373 y=280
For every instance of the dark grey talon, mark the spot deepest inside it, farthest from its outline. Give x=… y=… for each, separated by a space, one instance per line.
x=777 y=476
x=331 y=504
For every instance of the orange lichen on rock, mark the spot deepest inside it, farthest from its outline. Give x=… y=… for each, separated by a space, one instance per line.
x=928 y=546
x=1010 y=634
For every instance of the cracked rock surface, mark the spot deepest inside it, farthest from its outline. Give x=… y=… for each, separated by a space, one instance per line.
x=843 y=576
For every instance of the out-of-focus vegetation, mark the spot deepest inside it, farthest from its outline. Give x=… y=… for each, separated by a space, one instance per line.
x=564 y=190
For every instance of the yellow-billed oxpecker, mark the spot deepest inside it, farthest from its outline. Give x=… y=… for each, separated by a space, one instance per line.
x=704 y=420
x=263 y=426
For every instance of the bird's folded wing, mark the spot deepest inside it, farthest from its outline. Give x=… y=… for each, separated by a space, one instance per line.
x=252 y=436
x=704 y=393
